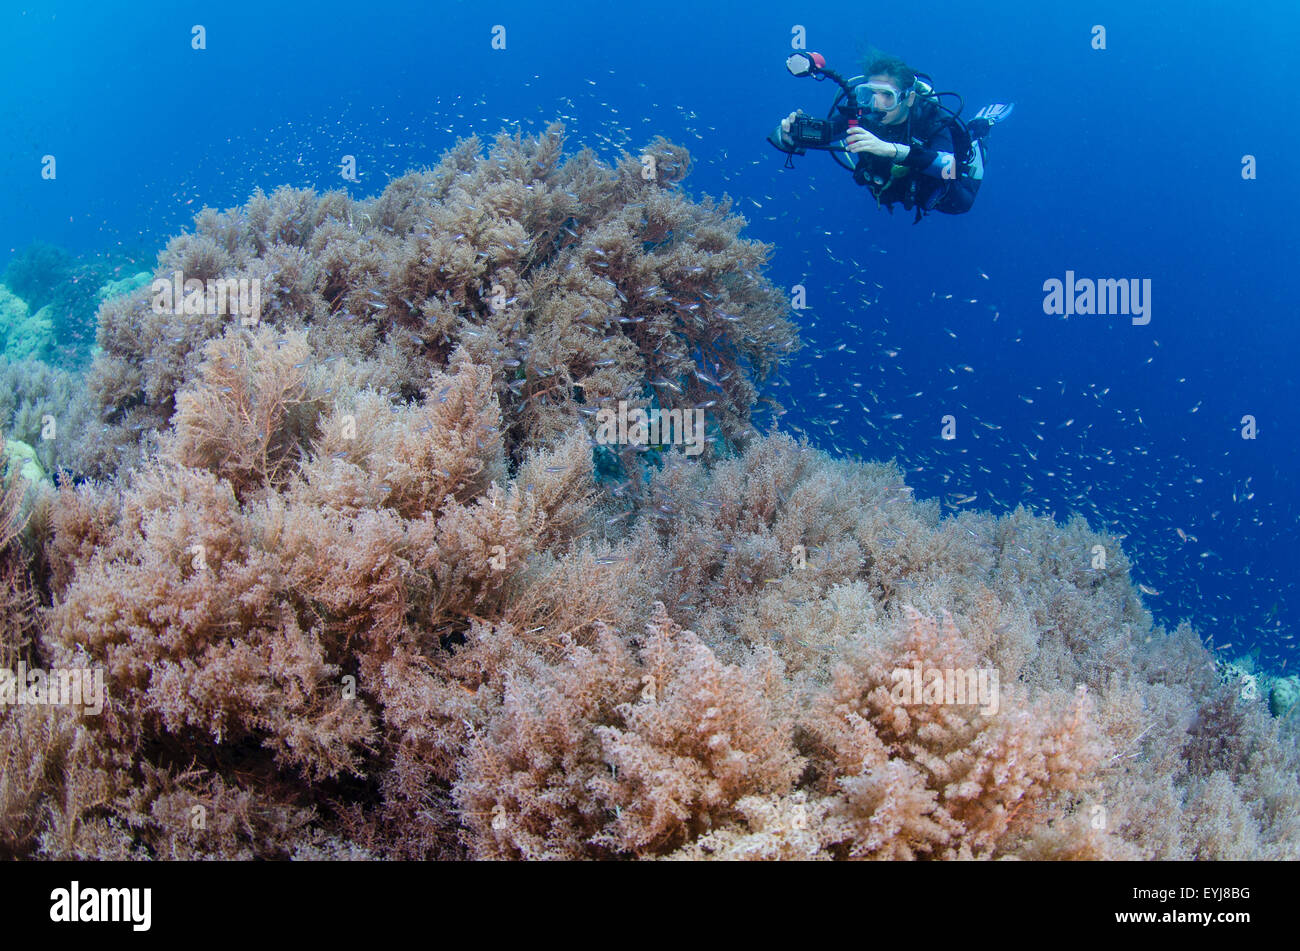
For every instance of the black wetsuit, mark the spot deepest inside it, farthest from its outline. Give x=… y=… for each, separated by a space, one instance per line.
x=929 y=133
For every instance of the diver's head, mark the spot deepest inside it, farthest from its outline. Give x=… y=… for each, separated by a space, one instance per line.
x=890 y=89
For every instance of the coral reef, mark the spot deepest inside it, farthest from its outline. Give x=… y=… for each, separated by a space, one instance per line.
x=124 y=285
x=576 y=284
x=45 y=407
x=63 y=293
x=1253 y=682
x=24 y=333
x=22 y=457
x=362 y=583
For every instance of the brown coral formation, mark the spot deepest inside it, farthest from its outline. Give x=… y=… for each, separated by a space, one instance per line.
x=361 y=586
x=575 y=284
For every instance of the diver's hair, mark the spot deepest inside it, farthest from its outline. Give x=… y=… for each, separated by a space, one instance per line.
x=878 y=63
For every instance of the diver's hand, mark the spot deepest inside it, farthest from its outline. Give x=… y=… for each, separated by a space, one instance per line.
x=780 y=136
x=860 y=140
x=785 y=128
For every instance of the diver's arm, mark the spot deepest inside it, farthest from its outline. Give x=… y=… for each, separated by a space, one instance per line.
x=930 y=162
x=933 y=158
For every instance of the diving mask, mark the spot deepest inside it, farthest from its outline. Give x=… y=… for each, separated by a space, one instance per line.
x=877 y=97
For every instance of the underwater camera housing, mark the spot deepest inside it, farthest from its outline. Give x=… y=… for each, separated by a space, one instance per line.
x=810 y=133
x=807 y=132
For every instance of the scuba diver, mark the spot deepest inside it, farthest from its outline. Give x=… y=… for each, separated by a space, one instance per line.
x=892 y=130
